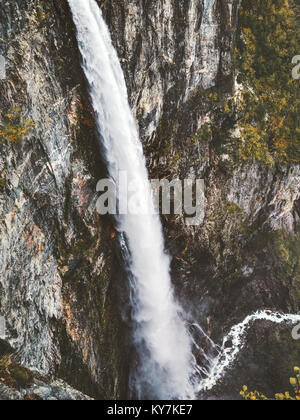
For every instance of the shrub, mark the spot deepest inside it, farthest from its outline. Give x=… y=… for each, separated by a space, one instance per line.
x=13 y=127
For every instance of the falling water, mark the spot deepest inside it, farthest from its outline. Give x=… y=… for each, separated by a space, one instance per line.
x=210 y=51
x=234 y=342
x=164 y=346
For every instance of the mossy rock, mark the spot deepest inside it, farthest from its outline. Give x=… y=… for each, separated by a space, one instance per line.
x=14 y=375
x=2 y=184
x=22 y=376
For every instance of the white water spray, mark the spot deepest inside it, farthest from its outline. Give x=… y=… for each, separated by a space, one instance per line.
x=166 y=363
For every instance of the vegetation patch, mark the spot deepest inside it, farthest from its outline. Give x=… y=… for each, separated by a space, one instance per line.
x=203 y=135
x=14 y=375
x=268 y=106
x=13 y=127
x=2 y=183
x=294 y=396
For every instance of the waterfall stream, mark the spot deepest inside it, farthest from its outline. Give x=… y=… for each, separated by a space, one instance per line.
x=163 y=343
x=235 y=341
x=166 y=367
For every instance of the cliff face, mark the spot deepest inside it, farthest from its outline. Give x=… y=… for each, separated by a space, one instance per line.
x=57 y=256
x=60 y=276
x=168 y=50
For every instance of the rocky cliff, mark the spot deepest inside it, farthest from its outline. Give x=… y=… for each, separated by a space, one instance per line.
x=57 y=257
x=61 y=280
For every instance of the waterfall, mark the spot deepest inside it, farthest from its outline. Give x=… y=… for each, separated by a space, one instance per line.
x=166 y=364
x=209 y=36
x=235 y=341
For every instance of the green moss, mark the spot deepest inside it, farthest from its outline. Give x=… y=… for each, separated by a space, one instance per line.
x=208 y=97
x=233 y=209
x=23 y=377
x=14 y=375
x=203 y=135
x=61 y=250
x=2 y=183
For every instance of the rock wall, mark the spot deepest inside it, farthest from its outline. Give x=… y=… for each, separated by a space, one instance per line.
x=169 y=49
x=58 y=261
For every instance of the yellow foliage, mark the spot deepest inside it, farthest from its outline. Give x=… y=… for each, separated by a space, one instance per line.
x=13 y=128
x=257 y=396
x=268 y=112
